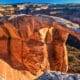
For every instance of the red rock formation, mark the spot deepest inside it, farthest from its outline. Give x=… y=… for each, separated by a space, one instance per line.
x=30 y=45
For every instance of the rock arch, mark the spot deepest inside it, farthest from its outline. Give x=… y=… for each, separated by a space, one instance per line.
x=37 y=45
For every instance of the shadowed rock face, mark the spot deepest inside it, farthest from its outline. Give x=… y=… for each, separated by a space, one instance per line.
x=32 y=45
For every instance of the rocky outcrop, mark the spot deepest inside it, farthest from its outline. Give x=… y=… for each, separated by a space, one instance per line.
x=31 y=45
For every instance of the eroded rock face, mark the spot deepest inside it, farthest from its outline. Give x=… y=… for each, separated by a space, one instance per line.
x=33 y=44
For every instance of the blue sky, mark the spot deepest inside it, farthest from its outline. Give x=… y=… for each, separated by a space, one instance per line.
x=41 y=1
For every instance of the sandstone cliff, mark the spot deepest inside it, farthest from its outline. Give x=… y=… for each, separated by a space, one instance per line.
x=31 y=45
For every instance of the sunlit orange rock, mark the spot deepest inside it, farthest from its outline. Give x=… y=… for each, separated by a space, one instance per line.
x=31 y=45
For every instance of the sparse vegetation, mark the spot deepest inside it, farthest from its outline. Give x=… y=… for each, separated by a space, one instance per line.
x=74 y=59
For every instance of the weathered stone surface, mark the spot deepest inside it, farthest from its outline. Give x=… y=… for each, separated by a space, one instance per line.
x=31 y=45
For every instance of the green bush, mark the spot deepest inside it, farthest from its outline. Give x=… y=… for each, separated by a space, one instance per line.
x=72 y=59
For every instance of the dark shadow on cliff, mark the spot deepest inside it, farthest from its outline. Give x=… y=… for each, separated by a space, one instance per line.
x=73 y=41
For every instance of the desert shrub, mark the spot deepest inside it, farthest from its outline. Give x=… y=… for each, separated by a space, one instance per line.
x=72 y=58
